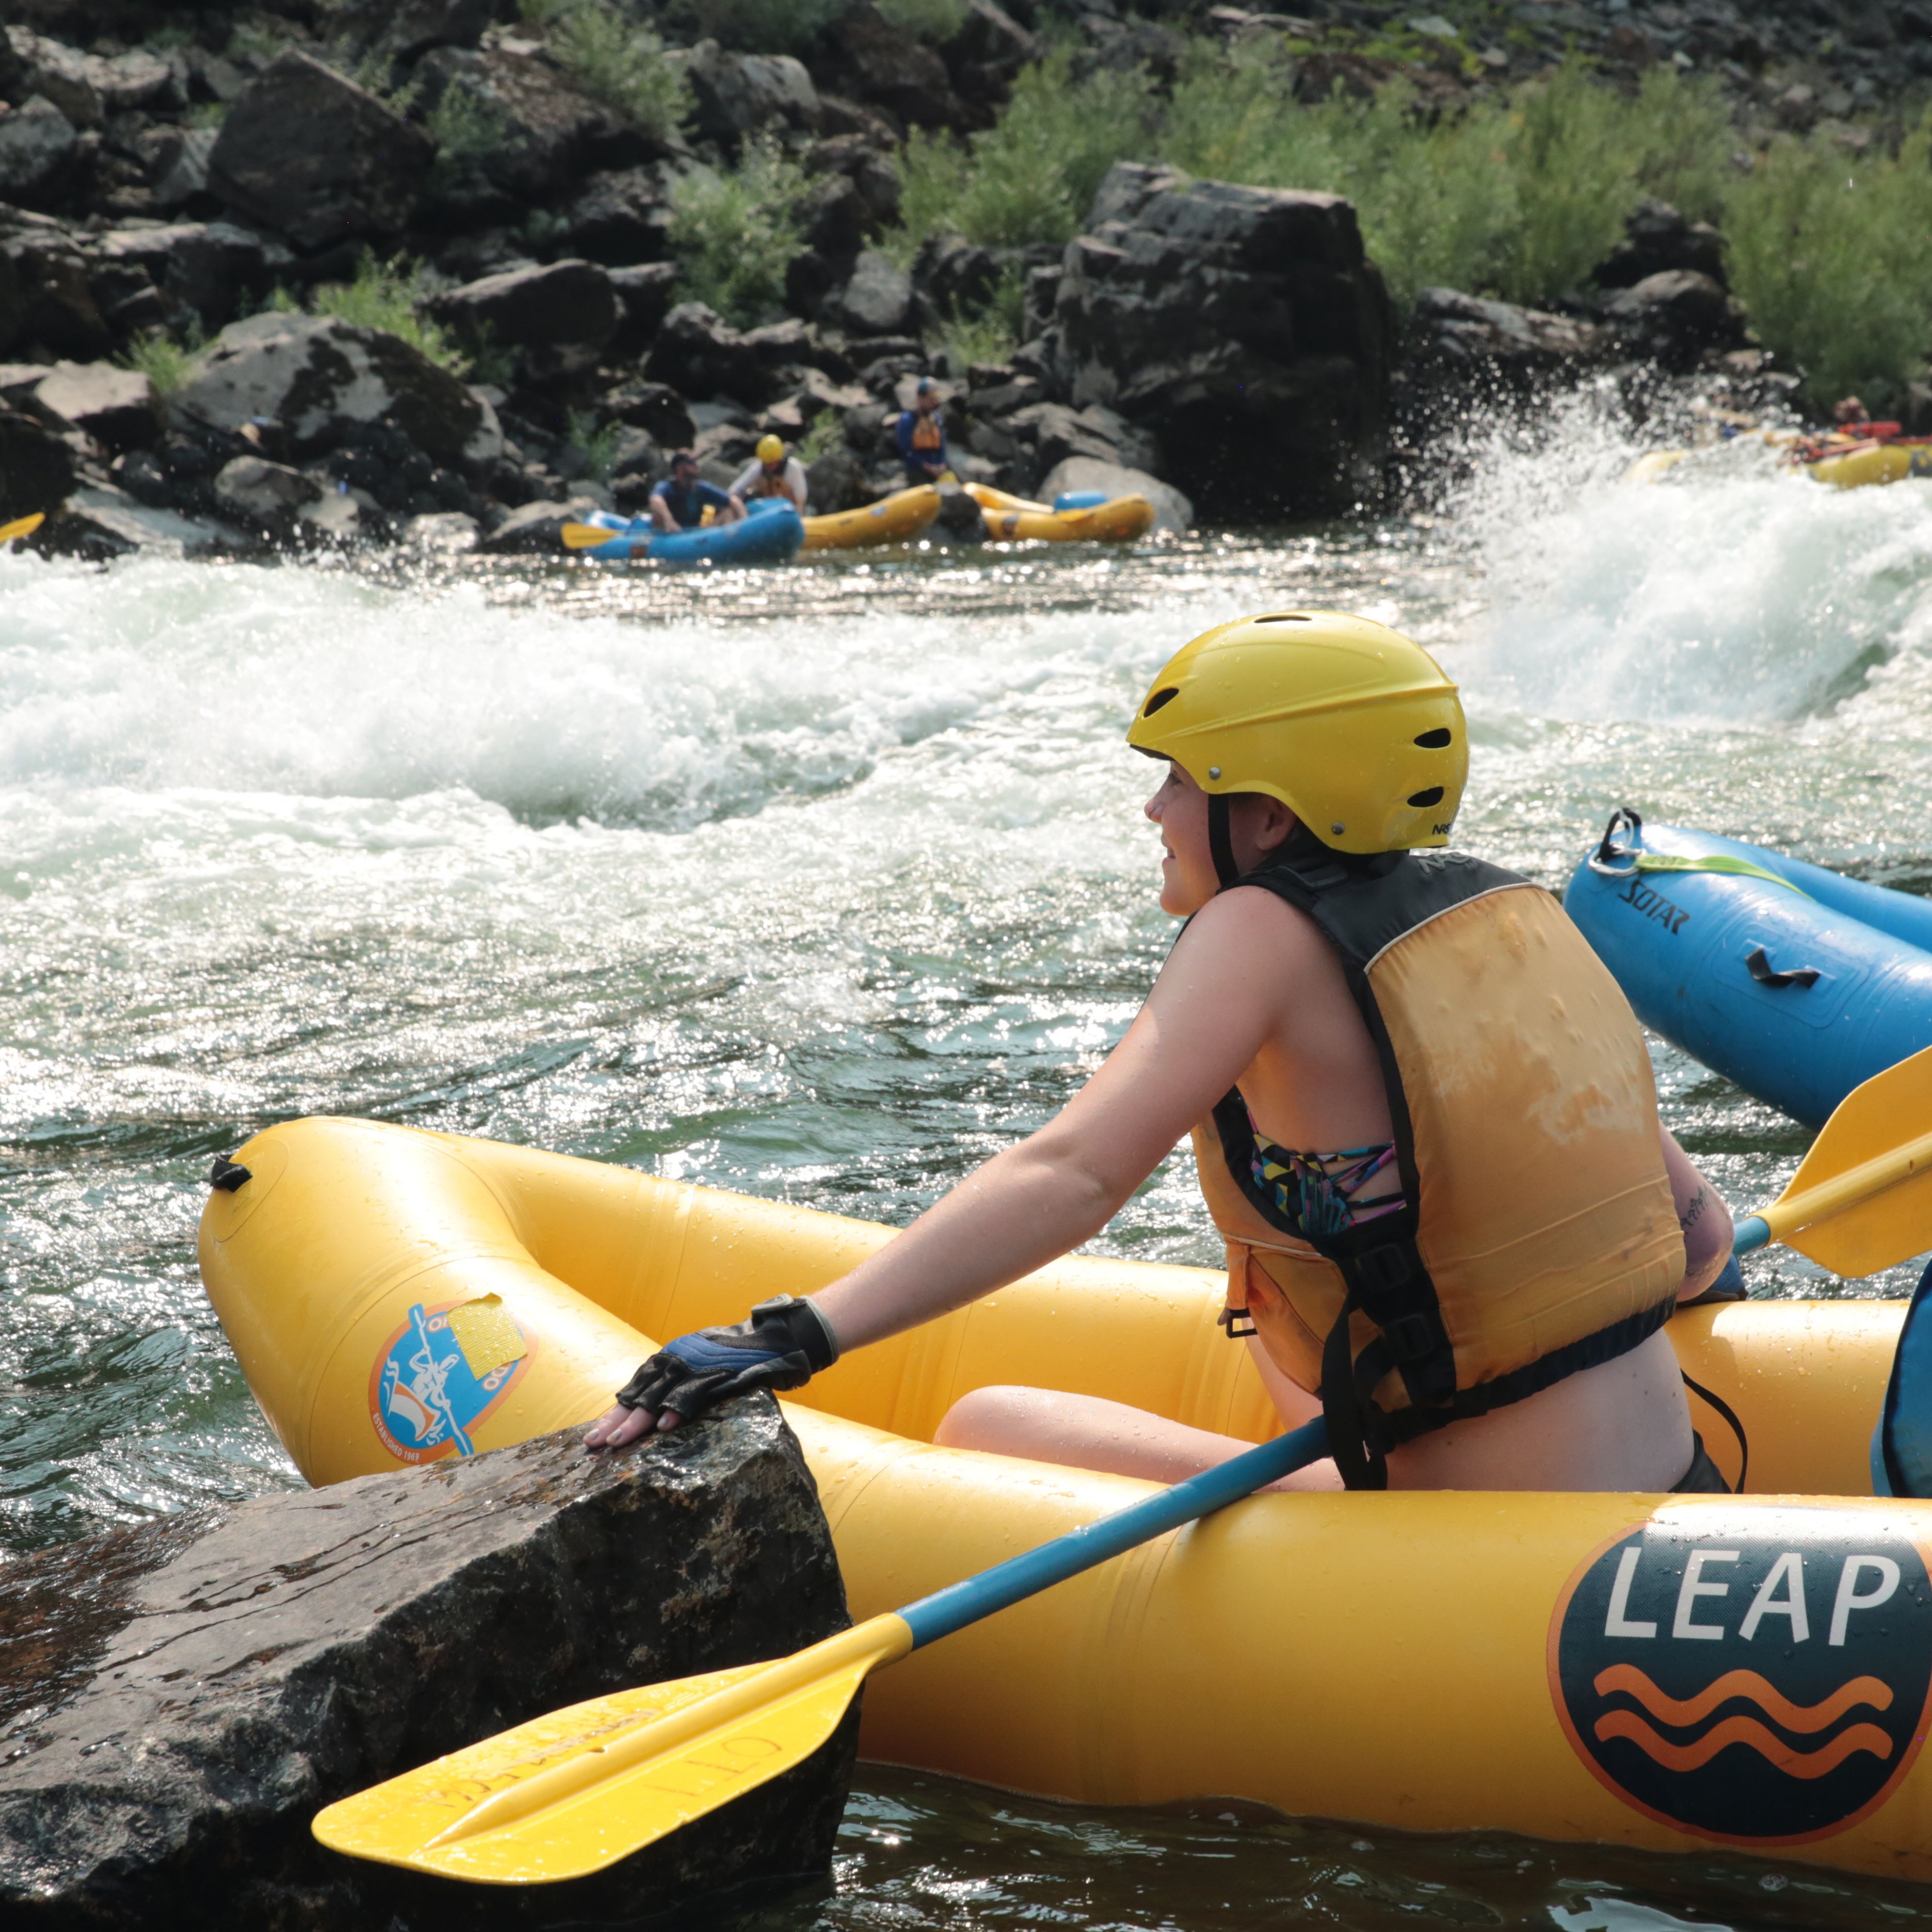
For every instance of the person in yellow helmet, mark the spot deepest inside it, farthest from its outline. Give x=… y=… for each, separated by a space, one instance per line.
x=1422 y=1115
x=771 y=472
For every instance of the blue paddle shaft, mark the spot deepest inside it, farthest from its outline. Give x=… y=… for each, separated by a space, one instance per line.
x=946 y=1611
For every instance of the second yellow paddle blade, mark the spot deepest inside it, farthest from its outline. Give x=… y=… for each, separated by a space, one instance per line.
x=1881 y=1118
x=22 y=526
x=769 y=1716
x=588 y=536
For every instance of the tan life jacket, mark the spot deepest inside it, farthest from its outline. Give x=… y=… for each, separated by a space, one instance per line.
x=1540 y=1234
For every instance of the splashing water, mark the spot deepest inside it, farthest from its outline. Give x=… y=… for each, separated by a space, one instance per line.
x=823 y=883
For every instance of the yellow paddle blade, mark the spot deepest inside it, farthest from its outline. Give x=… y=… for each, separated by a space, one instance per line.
x=1862 y=1198
x=571 y=1792
x=22 y=526
x=588 y=536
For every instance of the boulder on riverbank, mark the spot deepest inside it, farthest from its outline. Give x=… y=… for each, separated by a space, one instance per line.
x=178 y=1699
x=1243 y=328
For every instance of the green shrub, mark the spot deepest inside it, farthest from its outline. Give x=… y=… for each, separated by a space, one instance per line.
x=736 y=232
x=768 y=26
x=826 y=431
x=1031 y=176
x=465 y=126
x=934 y=20
x=383 y=295
x=162 y=359
x=1833 y=259
x=991 y=332
x=615 y=59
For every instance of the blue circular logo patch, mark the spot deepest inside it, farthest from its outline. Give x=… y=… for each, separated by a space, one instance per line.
x=1760 y=1678
x=441 y=1373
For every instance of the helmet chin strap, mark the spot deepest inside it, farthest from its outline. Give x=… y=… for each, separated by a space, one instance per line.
x=1220 y=842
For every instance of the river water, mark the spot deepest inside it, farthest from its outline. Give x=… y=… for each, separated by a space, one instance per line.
x=824 y=884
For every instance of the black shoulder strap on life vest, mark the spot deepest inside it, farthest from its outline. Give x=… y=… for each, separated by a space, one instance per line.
x=1362 y=906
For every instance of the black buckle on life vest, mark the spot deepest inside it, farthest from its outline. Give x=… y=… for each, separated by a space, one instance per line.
x=1380 y=1270
x=1411 y=1338
x=1229 y=1317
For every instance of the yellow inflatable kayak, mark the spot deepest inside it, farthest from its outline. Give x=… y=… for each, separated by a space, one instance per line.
x=893 y=519
x=1659 y=1671
x=1013 y=519
x=1868 y=462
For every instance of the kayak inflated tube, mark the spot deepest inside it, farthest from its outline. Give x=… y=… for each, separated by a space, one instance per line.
x=1798 y=983
x=770 y=532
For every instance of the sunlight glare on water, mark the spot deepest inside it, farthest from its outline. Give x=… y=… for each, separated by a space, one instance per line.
x=823 y=883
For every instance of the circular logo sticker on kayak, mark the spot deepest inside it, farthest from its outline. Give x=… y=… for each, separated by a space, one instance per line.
x=1759 y=1679
x=441 y=1373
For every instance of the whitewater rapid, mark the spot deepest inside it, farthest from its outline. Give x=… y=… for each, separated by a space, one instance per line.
x=824 y=882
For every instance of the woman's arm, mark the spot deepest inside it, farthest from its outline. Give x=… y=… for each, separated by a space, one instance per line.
x=1220 y=996
x=1702 y=1214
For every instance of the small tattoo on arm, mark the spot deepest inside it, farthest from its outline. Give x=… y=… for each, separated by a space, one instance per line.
x=1693 y=1209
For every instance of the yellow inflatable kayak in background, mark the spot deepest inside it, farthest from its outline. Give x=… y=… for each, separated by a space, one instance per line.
x=1660 y=1671
x=903 y=515
x=1014 y=519
x=1868 y=462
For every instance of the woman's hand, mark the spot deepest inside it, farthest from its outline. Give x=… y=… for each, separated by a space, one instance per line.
x=785 y=1343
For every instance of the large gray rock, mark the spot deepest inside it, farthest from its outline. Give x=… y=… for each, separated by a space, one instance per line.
x=698 y=353
x=310 y=153
x=36 y=146
x=213 y=267
x=1243 y=327
x=884 y=63
x=536 y=530
x=1672 y=317
x=877 y=298
x=538 y=130
x=180 y=1698
x=285 y=503
x=177 y=163
x=737 y=94
x=1172 y=510
x=561 y=302
x=318 y=379
x=118 y=407
x=36 y=465
x=621 y=216
x=1657 y=238
x=58 y=310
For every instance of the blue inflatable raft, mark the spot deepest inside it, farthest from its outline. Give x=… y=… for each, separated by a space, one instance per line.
x=1796 y=983
x=771 y=532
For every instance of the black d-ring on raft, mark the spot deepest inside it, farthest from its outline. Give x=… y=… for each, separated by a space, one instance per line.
x=1757 y=963
x=1625 y=816
x=228 y=1175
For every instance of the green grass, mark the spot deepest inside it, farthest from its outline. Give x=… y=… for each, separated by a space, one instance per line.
x=599 y=445
x=1832 y=256
x=161 y=358
x=383 y=295
x=735 y=232
x=826 y=430
x=1031 y=176
x=936 y=21
x=991 y=332
x=615 y=59
x=768 y=26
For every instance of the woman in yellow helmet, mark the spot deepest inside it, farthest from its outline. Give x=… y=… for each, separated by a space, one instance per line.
x=1423 y=1113
x=771 y=472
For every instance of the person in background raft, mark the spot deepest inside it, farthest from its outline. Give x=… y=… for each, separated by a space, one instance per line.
x=680 y=501
x=1849 y=416
x=922 y=436
x=1423 y=1113
x=771 y=472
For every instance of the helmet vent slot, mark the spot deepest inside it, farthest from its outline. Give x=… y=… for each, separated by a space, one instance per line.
x=1159 y=698
x=1433 y=795
x=1435 y=741
x=1285 y=617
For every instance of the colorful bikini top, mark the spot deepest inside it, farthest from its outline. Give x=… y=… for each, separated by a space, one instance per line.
x=1314 y=1193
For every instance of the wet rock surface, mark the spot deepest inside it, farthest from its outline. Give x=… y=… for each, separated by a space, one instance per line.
x=177 y=1699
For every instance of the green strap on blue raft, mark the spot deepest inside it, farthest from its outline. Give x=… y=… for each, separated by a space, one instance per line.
x=1715 y=861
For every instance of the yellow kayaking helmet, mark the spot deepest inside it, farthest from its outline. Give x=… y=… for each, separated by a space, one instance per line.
x=1351 y=726
x=770 y=450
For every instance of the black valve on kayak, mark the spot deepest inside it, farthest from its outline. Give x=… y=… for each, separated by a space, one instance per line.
x=228 y=1175
x=1757 y=963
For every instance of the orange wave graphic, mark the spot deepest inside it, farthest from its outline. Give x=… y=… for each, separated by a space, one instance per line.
x=1801 y=1717
x=1741 y=1730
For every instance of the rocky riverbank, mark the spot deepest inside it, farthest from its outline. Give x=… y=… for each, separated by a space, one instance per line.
x=177 y=1700
x=347 y=271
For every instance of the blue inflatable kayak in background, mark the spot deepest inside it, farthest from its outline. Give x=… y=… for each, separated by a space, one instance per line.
x=771 y=532
x=1796 y=983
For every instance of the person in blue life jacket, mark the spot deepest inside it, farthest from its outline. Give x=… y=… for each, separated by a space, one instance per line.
x=680 y=501
x=1423 y=1117
x=921 y=438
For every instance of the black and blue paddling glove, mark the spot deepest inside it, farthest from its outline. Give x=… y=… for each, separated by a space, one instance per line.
x=783 y=1344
